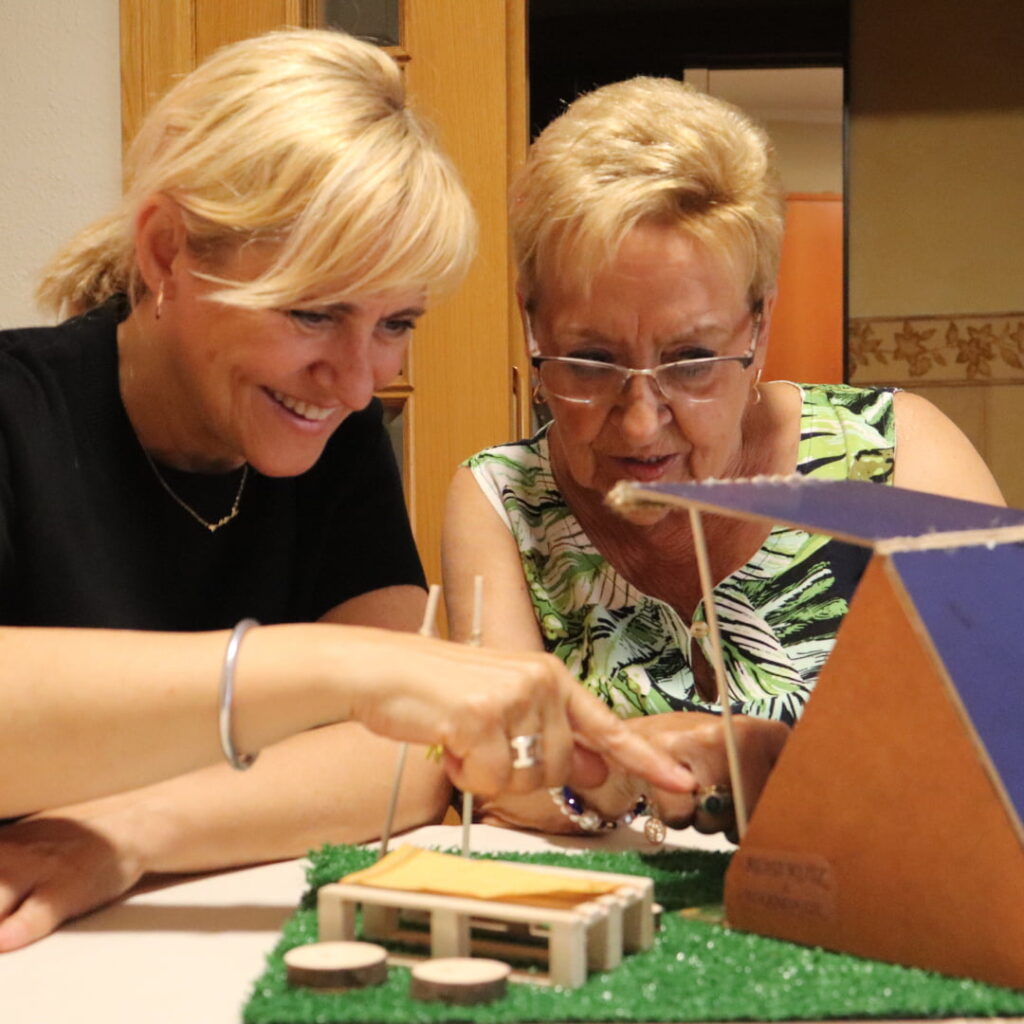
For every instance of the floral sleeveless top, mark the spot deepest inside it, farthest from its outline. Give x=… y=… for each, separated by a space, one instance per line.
x=778 y=614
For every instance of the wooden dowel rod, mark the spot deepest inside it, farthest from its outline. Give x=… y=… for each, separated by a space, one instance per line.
x=427 y=628
x=476 y=637
x=731 y=749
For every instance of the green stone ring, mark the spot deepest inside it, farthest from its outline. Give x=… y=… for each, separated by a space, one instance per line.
x=714 y=800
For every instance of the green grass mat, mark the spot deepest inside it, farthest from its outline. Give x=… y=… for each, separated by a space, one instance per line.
x=696 y=971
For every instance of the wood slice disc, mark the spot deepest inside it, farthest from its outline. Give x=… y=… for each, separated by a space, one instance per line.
x=460 y=980
x=337 y=965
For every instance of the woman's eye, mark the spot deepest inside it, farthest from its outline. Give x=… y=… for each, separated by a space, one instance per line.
x=591 y=355
x=310 y=317
x=399 y=327
x=689 y=352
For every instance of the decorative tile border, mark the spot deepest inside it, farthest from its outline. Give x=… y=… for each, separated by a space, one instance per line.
x=951 y=349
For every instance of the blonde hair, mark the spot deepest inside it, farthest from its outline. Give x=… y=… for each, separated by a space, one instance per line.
x=298 y=138
x=647 y=150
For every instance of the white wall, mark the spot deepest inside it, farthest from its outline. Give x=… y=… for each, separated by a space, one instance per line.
x=60 y=134
x=810 y=154
x=802 y=110
x=936 y=152
x=936 y=209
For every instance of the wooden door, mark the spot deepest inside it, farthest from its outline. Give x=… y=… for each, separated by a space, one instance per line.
x=806 y=342
x=466 y=69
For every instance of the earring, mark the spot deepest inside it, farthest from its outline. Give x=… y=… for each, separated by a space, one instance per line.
x=757 y=387
x=538 y=396
x=159 y=301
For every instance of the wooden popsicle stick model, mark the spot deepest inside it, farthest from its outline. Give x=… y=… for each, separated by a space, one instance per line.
x=609 y=916
x=570 y=936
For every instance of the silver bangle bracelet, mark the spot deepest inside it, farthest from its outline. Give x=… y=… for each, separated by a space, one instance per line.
x=227 y=691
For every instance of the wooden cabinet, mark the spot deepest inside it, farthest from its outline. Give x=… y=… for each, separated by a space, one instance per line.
x=466 y=69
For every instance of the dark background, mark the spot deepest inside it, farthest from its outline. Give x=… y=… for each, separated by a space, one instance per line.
x=576 y=45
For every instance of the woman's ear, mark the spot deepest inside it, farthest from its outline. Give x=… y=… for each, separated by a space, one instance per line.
x=764 y=330
x=160 y=239
x=524 y=314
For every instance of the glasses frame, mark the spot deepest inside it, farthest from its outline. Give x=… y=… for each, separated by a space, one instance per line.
x=627 y=373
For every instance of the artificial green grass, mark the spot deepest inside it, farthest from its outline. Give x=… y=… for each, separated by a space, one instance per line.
x=696 y=971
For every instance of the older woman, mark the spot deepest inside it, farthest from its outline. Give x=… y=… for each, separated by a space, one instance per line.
x=647 y=225
x=199 y=446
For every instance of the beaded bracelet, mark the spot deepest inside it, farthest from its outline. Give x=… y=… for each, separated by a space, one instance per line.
x=571 y=804
x=227 y=686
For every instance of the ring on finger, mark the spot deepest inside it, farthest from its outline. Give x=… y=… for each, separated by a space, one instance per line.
x=714 y=800
x=526 y=749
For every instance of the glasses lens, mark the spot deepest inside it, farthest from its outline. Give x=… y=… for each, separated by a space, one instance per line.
x=698 y=380
x=580 y=380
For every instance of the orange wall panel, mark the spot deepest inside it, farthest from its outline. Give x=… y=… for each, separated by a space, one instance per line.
x=806 y=341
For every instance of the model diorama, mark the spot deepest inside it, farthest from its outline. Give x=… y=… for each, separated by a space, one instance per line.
x=568 y=920
x=571 y=920
x=891 y=827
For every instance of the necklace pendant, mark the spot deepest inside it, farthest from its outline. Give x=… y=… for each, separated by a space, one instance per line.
x=223 y=521
x=211 y=527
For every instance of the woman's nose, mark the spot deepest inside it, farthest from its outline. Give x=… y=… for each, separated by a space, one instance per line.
x=644 y=409
x=347 y=374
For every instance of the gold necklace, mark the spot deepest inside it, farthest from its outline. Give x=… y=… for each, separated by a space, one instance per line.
x=212 y=527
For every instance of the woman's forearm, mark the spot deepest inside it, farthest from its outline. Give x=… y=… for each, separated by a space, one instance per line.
x=329 y=785
x=88 y=712
x=325 y=785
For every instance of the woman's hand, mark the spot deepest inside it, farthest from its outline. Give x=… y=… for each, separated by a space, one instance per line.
x=56 y=866
x=697 y=741
x=475 y=701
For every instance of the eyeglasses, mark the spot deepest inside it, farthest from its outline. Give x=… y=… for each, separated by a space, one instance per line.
x=591 y=382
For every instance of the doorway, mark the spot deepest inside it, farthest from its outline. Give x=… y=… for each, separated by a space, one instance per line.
x=784 y=62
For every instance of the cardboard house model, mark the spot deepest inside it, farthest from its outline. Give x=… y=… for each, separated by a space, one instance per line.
x=891 y=827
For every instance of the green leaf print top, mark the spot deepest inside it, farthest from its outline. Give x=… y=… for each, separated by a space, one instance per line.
x=778 y=614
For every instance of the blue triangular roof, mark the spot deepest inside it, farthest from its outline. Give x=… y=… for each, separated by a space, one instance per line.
x=855 y=511
x=970 y=602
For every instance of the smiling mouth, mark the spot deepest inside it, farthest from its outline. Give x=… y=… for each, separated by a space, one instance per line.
x=654 y=460
x=304 y=410
x=645 y=470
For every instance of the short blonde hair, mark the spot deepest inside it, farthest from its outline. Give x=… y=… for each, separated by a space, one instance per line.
x=647 y=150
x=301 y=139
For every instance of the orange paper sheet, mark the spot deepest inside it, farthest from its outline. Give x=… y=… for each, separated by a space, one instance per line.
x=415 y=870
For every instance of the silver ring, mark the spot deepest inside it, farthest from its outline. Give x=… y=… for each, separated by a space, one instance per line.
x=714 y=800
x=527 y=750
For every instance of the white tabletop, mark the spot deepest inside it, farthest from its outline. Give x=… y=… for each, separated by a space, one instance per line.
x=190 y=952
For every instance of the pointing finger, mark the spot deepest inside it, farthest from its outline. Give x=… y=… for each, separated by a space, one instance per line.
x=610 y=737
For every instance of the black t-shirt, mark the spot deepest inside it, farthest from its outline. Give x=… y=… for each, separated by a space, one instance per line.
x=89 y=536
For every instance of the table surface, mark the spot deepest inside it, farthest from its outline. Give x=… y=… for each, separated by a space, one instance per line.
x=189 y=951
